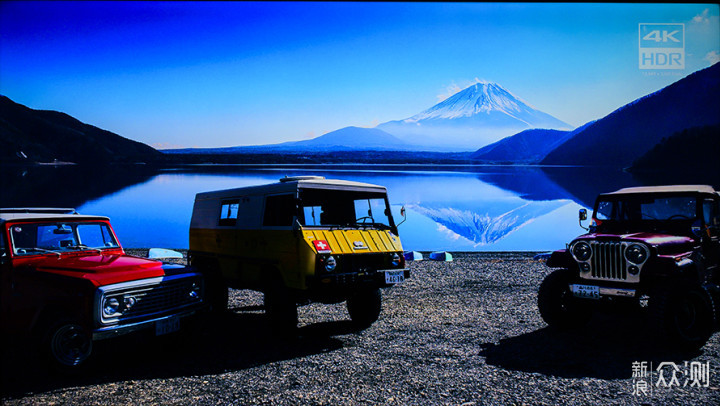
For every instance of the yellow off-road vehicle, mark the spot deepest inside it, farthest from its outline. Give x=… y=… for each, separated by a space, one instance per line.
x=299 y=240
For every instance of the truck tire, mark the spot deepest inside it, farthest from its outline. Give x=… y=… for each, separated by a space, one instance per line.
x=364 y=307
x=216 y=289
x=217 y=295
x=557 y=305
x=67 y=345
x=281 y=309
x=682 y=315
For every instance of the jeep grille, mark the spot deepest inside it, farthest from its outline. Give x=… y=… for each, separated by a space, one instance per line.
x=152 y=297
x=608 y=261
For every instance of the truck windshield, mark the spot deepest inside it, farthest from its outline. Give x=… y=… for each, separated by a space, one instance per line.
x=60 y=237
x=345 y=209
x=631 y=208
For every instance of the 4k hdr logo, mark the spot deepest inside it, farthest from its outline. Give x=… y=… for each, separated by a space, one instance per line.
x=662 y=46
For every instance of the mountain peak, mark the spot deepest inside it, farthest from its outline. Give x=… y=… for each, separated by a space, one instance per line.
x=478 y=115
x=481 y=97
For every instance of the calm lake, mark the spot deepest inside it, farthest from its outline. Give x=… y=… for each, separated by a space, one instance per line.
x=452 y=208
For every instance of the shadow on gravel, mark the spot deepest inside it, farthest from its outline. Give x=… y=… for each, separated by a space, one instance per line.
x=232 y=342
x=605 y=349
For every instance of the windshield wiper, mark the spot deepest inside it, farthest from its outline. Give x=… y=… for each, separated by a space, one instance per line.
x=38 y=249
x=84 y=248
x=379 y=226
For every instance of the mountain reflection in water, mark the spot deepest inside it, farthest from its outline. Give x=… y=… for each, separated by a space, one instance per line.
x=454 y=208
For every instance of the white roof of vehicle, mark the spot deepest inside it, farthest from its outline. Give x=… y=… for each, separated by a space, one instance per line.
x=292 y=184
x=666 y=189
x=43 y=213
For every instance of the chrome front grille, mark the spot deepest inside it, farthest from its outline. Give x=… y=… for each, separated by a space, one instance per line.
x=608 y=261
x=149 y=298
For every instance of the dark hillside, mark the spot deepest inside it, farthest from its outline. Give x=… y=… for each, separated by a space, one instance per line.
x=629 y=132
x=28 y=135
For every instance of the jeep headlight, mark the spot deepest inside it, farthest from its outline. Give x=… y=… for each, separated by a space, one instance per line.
x=111 y=306
x=581 y=251
x=636 y=253
x=330 y=263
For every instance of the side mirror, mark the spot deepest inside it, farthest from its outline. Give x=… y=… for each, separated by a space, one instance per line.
x=402 y=213
x=582 y=216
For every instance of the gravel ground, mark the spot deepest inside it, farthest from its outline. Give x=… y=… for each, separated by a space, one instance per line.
x=458 y=333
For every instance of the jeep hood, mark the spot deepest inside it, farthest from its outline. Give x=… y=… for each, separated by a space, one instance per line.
x=664 y=242
x=100 y=269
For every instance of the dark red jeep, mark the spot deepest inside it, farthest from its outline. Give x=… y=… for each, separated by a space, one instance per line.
x=65 y=282
x=654 y=249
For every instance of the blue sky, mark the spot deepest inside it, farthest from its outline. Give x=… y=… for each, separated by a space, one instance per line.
x=186 y=74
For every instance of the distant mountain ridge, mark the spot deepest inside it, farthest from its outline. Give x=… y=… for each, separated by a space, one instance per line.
x=632 y=130
x=529 y=146
x=348 y=138
x=525 y=147
x=476 y=116
x=28 y=135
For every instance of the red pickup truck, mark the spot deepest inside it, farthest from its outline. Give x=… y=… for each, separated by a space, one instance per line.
x=66 y=282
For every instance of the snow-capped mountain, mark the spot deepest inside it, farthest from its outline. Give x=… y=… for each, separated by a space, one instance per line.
x=472 y=118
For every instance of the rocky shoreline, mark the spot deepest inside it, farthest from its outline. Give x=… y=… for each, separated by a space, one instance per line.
x=465 y=332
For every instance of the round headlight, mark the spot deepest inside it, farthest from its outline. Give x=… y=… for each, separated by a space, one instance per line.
x=330 y=264
x=395 y=259
x=194 y=291
x=581 y=251
x=129 y=302
x=111 y=306
x=636 y=253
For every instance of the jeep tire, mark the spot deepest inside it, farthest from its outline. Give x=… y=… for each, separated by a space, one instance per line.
x=682 y=315
x=364 y=307
x=557 y=305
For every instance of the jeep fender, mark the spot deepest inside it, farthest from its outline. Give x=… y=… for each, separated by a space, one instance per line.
x=561 y=259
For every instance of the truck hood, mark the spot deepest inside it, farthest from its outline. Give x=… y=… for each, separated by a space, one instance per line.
x=100 y=269
x=352 y=241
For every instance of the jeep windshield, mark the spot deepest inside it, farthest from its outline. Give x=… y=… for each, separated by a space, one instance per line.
x=344 y=209
x=60 y=237
x=641 y=212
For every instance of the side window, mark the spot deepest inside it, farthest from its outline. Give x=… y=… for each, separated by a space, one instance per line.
x=3 y=251
x=228 y=212
x=711 y=215
x=604 y=211
x=312 y=215
x=279 y=211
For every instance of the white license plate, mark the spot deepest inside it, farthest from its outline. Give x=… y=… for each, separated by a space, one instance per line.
x=166 y=326
x=392 y=277
x=586 y=291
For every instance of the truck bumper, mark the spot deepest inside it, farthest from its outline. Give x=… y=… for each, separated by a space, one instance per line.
x=382 y=278
x=103 y=333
